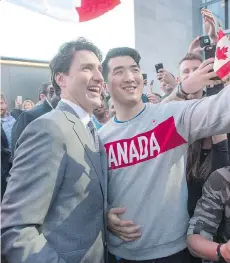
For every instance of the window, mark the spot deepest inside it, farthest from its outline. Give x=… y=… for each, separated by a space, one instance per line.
x=221 y=10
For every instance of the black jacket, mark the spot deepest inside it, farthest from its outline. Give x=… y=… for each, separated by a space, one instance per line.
x=25 y=118
x=5 y=161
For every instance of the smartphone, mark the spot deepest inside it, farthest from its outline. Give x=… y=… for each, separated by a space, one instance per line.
x=158 y=67
x=210 y=52
x=144 y=98
x=145 y=76
x=215 y=90
x=205 y=41
x=151 y=83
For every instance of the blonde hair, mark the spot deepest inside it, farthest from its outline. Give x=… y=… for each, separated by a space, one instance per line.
x=3 y=97
x=27 y=101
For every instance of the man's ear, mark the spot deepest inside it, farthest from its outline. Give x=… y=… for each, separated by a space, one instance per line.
x=42 y=97
x=60 y=79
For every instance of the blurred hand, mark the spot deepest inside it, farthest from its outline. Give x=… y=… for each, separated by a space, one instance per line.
x=225 y=251
x=209 y=24
x=153 y=98
x=145 y=82
x=195 y=46
x=125 y=230
x=200 y=77
x=167 y=78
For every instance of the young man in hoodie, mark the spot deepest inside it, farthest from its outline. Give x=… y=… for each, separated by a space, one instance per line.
x=146 y=146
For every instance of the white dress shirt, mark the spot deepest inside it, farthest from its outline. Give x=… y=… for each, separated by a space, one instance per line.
x=82 y=114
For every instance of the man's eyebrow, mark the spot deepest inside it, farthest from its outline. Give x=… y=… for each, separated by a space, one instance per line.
x=87 y=65
x=122 y=67
x=118 y=67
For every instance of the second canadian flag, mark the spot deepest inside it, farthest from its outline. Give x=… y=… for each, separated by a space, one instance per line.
x=222 y=59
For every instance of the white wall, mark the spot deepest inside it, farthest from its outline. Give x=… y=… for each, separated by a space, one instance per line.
x=163 y=31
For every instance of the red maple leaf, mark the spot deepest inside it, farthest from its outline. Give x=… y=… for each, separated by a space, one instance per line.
x=221 y=53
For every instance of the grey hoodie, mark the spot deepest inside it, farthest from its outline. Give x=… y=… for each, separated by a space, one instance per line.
x=146 y=161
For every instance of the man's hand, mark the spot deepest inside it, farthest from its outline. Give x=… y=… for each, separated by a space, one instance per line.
x=209 y=25
x=167 y=78
x=225 y=251
x=125 y=230
x=195 y=46
x=153 y=98
x=200 y=78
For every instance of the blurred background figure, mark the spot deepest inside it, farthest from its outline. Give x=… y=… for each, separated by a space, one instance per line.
x=7 y=122
x=45 y=91
x=46 y=104
x=167 y=81
x=112 y=111
x=154 y=98
x=101 y=113
x=28 y=105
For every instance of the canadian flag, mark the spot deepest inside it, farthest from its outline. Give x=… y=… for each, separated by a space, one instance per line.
x=222 y=59
x=69 y=10
x=91 y=9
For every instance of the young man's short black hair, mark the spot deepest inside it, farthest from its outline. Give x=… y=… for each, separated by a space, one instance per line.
x=119 y=52
x=62 y=61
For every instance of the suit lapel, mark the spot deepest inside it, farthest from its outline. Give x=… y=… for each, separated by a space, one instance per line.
x=84 y=137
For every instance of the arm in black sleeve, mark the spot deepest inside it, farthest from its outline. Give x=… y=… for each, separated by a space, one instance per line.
x=220 y=155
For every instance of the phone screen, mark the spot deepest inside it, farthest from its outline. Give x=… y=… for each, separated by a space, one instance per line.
x=158 y=67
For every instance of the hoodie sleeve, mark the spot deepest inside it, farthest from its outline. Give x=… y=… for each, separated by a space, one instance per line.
x=206 y=117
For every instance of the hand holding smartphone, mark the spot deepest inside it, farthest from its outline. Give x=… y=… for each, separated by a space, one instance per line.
x=158 y=67
x=210 y=52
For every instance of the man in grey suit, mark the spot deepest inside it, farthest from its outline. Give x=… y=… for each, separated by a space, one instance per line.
x=53 y=208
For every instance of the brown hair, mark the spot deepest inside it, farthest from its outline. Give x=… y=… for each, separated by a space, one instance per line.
x=191 y=56
x=196 y=170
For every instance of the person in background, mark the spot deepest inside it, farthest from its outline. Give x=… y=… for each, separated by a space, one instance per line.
x=46 y=90
x=167 y=82
x=27 y=105
x=205 y=155
x=48 y=103
x=154 y=98
x=7 y=122
x=101 y=113
x=112 y=111
x=208 y=235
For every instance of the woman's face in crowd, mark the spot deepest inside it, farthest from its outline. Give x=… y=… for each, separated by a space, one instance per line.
x=28 y=106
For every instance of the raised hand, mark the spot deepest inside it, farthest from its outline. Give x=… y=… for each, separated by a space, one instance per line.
x=195 y=46
x=200 y=78
x=167 y=78
x=209 y=24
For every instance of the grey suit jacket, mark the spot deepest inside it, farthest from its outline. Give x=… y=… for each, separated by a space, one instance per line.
x=53 y=208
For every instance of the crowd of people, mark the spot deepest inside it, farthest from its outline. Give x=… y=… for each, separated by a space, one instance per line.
x=97 y=171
